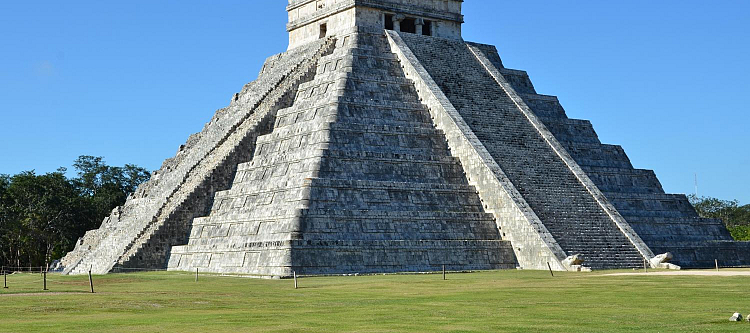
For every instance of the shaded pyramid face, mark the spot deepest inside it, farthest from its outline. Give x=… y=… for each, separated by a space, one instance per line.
x=374 y=151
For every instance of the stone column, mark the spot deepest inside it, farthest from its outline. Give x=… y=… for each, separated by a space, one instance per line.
x=397 y=21
x=419 y=23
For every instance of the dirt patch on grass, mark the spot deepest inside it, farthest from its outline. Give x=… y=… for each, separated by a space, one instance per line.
x=43 y=294
x=726 y=272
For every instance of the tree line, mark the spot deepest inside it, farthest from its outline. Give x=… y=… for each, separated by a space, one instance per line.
x=735 y=217
x=43 y=215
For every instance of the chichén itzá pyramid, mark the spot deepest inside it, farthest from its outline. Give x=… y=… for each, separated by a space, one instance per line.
x=381 y=141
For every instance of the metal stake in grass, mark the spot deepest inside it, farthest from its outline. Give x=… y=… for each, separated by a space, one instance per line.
x=717 y=264
x=5 y=279
x=645 y=266
x=550 y=269
x=295 y=279
x=443 y=272
x=91 y=282
x=45 y=280
x=196 y=274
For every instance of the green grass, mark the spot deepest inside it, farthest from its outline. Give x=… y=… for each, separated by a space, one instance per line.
x=513 y=301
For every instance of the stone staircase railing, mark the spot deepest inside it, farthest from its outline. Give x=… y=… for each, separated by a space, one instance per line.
x=532 y=242
x=605 y=205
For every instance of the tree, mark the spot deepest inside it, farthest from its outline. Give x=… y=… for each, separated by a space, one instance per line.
x=105 y=187
x=714 y=208
x=37 y=212
x=42 y=216
x=734 y=216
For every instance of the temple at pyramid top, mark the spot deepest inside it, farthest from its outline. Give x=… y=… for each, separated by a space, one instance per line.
x=310 y=20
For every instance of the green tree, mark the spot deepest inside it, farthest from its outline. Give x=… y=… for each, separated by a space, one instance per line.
x=714 y=208
x=42 y=216
x=105 y=187
x=38 y=212
x=734 y=216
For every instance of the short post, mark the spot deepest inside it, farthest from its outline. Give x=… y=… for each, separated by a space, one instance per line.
x=45 y=280
x=295 y=279
x=550 y=269
x=443 y=272
x=5 y=279
x=196 y=274
x=645 y=266
x=91 y=282
x=716 y=261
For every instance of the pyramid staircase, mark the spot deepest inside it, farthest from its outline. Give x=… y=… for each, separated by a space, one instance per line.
x=354 y=178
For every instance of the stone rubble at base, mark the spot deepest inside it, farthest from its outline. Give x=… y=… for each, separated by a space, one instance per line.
x=359 y=151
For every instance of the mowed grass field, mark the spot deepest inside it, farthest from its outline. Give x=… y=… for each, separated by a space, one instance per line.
x=497 y=301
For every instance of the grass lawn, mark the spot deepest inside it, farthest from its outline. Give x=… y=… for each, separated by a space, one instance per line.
x=512 y=301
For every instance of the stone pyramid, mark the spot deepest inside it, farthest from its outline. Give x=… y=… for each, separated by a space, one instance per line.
x=382 y=142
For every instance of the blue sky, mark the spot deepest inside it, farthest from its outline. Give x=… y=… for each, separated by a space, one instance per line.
x=130 y=80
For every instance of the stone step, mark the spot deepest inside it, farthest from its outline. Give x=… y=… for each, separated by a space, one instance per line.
x=645 y=204
x=353 y=113
x=382 y=195
x=571 y=130
x=345 y=225
x=373 y=76
x=384 y=122
x=383 y=103
x=544 y=105
x=349 y=136
x=388 y=93
x=656 y=229
x=519 y=80
x=387 y=129
x=325 y=80
x=363 y=256
x=624 y=180
x=598 y=155
x=317 y=150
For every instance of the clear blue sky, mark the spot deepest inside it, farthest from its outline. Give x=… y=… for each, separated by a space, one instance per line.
x=130 y=80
